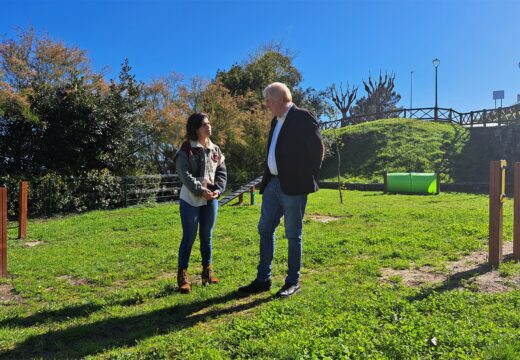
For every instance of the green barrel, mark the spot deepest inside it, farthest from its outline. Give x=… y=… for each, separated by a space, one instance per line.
x=412 y=183
x=424 y=183
x=398 y=182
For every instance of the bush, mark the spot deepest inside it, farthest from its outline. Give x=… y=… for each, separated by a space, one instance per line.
x=54 y=193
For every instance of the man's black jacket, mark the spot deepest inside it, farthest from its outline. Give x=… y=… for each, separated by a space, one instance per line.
x=299 y=152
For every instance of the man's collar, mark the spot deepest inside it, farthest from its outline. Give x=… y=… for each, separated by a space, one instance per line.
x=285 y=115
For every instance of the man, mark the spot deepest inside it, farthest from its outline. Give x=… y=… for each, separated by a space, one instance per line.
x=295 y=153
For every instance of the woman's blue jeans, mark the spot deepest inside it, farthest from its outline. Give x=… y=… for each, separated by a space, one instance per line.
x=193 y=218
x=275 y=204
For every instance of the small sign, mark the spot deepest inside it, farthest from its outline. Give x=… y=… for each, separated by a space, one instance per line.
x=498 y=95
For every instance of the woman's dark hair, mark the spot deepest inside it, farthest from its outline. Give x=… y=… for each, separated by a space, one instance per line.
x=193 y=124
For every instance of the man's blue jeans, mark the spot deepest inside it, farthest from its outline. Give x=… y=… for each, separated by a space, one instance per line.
x=275 y=204
x=202 y=218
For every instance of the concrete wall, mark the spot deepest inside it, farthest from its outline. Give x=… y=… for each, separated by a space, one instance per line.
x=484 y=145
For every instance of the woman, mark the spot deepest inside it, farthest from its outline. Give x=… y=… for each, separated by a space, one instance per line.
x=201 y=169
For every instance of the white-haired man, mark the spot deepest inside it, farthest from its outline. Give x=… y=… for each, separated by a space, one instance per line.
x=294 y=156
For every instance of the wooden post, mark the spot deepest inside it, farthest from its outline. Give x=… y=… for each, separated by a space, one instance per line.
x=3 y=231
x=241 y=198
x=252 y=193
x=516 y=223
x=385 y=182
x=438 y=189
x=496 y=197
x=22 y=214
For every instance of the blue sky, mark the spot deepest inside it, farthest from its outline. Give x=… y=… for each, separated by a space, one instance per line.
x=478 y=42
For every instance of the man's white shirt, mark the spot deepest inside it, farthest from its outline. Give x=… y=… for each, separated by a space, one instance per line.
x=271 y=158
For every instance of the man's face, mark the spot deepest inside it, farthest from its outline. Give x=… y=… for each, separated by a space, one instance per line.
x=275 y=105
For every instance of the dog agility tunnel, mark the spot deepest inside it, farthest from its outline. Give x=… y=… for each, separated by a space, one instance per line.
x=412 y=183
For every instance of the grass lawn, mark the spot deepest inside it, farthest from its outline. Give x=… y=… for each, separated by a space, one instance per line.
x=102 y=285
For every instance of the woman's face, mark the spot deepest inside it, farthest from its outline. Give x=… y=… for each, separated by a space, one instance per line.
x=205 y=129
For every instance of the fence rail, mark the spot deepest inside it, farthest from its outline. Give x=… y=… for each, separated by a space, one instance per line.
x=496 y=117
x=71 y=194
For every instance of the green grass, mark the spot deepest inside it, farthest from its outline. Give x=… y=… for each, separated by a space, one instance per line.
x=397 y=145
x=102 y=285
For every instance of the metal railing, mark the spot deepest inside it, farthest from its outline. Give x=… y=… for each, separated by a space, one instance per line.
x=497 y=117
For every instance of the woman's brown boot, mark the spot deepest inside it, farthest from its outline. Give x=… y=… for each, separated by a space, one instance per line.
x=182 y=281
x=207 y=275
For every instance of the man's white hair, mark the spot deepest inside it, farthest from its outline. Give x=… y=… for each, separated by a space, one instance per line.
x=277 y=90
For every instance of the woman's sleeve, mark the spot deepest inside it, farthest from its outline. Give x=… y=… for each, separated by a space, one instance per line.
x=182 y=167
x=221 y=178
x=220 y=174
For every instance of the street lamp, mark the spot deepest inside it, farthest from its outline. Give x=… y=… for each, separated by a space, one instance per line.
x=436 y=63
x=411 y=89
x=518 y=95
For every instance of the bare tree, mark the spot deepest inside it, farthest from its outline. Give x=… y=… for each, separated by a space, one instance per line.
x=381 y=97
x=343 y=100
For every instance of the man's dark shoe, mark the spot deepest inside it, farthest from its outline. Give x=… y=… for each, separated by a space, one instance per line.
x=288 y=290
x=256 y=287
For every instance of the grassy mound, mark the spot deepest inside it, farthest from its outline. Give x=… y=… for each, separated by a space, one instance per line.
x=396 y=145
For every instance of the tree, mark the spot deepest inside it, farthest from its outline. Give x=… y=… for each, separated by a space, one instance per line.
x=342 y=100
x=269 y=64
x=81 y=129
x=125 y=131
x=312 y=100
x=168 y=103
x=30 y=62
x=381 y=97
x=57 y=115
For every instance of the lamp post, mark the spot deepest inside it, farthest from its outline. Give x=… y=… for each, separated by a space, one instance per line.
x=411 y=90
x=518 y=95
x=436 y=63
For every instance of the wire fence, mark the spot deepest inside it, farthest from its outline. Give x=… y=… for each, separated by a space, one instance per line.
x=55 y=194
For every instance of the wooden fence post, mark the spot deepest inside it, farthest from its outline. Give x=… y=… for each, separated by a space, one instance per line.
x=252 y=192
x=385 y=182
x=516 y=223
x=496 y=197
x=22 y=214
x=240 y=199
x=3 y=231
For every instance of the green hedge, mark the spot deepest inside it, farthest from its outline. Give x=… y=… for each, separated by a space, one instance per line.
x=96 y=189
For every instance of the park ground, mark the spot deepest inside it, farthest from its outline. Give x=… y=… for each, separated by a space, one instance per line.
x=384 y=277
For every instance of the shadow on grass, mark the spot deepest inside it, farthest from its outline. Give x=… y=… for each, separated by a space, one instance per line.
x=454 y=281
x=88 y=339
x=82 y=310
x=62 y=314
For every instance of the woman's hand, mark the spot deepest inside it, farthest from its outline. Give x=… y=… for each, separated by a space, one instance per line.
x=209 y=195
